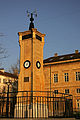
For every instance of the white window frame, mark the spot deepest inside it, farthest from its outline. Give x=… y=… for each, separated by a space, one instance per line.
x=77 y=76
x=55 y=77
x=66 y=77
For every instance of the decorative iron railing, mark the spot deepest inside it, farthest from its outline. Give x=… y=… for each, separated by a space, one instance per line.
x=36 y=104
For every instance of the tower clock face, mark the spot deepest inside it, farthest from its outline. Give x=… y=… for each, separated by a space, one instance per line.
x=27 y=64
x=38 y=64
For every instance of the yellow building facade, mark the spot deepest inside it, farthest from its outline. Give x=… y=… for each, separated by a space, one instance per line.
x=57 y=73
x=6 y=77
x=62 y=75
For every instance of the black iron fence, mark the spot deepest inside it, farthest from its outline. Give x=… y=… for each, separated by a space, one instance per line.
x=40 y=104
x=76 y=113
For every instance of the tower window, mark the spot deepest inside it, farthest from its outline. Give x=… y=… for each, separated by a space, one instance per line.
x=77 y=76
x=55 y=78
x=38 y=37
x=66 y=77
x=27 y=36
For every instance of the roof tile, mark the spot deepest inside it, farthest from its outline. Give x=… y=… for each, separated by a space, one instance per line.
x=62 y=58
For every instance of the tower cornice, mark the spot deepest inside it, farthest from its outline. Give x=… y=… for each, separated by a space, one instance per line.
x=34 y=30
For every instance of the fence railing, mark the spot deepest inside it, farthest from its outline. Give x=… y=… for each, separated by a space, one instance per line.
x=38 y=104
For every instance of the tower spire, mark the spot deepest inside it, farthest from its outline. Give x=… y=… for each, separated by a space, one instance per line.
x=31 y=18
x=31 y=23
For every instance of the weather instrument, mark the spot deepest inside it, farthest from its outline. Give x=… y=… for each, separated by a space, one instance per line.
x=31 y=18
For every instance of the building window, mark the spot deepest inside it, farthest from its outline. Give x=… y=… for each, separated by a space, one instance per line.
x=56 y=91
x=67 y=91
x=0 y=80
x=66 y=77
x=78 y=90
x=78 y=104
x=4 y=80
x=77 y=76
x=55 y=78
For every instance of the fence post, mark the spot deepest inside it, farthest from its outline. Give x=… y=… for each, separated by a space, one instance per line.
x=7 y=105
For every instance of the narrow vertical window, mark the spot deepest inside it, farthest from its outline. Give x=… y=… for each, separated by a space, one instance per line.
x=67 y=91
x=55 y=78
x=78 y=104
x=56 y=91
x=66 y=77
x=77 y=76
x=78 y=90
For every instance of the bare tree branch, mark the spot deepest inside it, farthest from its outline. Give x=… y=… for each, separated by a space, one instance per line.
x=14 y=68
x=3 y=53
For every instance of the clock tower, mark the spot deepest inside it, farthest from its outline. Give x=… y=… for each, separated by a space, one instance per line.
x=31 y=59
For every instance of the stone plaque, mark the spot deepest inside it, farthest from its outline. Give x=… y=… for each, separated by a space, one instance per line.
x=26 y=79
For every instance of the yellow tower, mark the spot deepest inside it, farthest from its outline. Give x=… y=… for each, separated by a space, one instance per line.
x=31 y=59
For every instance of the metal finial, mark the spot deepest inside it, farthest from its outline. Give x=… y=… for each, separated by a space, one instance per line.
x=31 y=18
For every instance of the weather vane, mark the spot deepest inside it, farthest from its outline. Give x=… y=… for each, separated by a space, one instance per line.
x=31 y=18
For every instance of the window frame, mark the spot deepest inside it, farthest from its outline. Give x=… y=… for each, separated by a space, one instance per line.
x=4 y=80
x=77 y=75
x=55 y=76
x=78 y=90
x=56 y=91
x=67 y=91
x=66 y=77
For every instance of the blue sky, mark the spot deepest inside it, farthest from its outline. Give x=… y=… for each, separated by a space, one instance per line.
x=58 y=19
